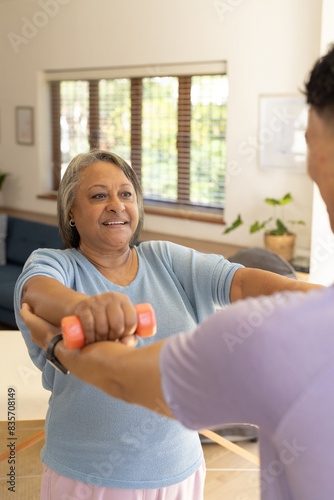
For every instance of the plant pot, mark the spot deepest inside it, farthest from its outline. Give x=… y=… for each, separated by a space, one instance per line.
x=282 y=245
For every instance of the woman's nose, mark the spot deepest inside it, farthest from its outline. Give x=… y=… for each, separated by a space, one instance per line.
x=115 y=205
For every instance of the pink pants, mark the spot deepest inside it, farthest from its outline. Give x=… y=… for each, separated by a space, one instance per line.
x=57 y=487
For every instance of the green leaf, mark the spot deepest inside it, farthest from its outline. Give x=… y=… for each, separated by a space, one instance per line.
x=272 y=201
x=257 y=226
x=283 y=201
x=3 y=176
x=297 y=222
x=286 y=199
x=238 y=222
x=280 y=229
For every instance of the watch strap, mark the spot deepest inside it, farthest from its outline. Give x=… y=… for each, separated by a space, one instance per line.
x=50 y=355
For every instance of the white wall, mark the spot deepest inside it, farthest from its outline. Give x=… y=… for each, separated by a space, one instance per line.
x=269 y=47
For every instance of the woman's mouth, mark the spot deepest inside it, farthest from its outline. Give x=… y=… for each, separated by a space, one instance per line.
x=114 y=223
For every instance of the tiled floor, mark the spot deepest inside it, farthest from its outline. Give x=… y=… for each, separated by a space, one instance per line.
x=229 y=477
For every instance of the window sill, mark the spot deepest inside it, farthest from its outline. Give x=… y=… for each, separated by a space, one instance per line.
x=48 y=196
x=183 y=212
x=180 y=212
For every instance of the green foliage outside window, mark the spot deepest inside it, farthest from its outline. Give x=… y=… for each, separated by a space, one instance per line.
x=160 y=164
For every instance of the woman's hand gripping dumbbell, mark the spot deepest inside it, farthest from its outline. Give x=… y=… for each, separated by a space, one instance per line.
x=74 y=337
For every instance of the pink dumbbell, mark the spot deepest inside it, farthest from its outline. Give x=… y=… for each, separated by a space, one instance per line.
x=74 y=336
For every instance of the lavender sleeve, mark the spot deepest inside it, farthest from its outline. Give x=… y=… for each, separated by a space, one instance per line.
x=239 y=364
x=269 y=362
x=207 y=375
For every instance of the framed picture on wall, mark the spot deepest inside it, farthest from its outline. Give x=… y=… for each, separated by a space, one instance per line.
x=25 y=125
x=281 y=135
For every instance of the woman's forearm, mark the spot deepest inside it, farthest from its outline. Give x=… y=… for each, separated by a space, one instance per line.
x=50 y=299
x=249 y=282
x=132 y=375
x=106 y=316
x=122 y=372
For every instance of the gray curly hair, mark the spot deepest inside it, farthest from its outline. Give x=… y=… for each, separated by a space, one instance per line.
x=68 y=189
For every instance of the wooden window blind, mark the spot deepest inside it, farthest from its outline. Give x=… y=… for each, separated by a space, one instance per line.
x=170 y=128
x=136 y=124
x=94 y=114
x=56 y=133
x=184 y=138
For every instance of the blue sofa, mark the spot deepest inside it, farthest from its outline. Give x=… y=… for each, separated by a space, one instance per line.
x=23 y=237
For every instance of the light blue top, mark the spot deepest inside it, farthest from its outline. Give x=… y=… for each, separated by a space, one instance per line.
x=99 y=440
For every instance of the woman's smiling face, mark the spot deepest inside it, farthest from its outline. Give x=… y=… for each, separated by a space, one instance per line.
x=105 y=211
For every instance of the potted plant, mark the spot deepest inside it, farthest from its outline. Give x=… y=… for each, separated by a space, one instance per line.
x=278 y=238
x=3 y=176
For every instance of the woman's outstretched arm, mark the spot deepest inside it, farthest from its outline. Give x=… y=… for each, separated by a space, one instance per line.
x=122 y=372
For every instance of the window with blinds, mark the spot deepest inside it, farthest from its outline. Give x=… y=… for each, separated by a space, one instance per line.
x=171 y=129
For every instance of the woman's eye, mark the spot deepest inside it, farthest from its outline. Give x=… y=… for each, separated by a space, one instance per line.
x=98 y=196
x=127 y=194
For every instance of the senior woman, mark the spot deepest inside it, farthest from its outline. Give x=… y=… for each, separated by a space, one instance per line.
x=99 y=447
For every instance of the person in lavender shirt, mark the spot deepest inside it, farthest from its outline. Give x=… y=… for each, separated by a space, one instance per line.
x=267 y=361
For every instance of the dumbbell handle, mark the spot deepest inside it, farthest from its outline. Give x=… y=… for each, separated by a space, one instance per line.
x=74 y=337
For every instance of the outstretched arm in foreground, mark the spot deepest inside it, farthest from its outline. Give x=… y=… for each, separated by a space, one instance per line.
x=249 y=282
x=121 y=372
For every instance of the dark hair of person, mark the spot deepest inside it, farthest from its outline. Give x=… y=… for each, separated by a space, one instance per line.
x=319 y=89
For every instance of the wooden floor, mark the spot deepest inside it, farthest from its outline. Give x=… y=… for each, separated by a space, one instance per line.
x=28 y=467
x=229 y=477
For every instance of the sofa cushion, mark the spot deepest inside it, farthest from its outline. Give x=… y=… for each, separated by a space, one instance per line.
x=3 y=235
x=25 y=236
x=8 y=319
x=261 y=258
x=8 y=277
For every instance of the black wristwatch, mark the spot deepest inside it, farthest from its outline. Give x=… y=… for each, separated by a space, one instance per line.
x=51 y=358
